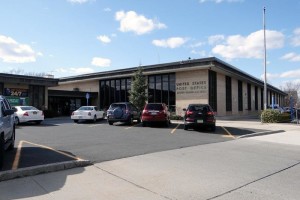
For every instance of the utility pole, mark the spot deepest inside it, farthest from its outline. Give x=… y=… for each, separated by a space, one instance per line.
x=265 y=61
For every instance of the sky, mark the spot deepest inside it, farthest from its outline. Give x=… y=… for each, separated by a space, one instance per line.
x=73 y=37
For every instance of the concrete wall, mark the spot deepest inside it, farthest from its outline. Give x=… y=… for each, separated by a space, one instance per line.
x=221 y=94
x=86 y=86
x=191 y=87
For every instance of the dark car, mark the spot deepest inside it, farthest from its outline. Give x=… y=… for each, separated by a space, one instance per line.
x=199 y=115
x=156 y=112
x=123 y=112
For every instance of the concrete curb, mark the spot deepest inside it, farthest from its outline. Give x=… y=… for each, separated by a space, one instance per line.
x=40 y=169
x=260 y=134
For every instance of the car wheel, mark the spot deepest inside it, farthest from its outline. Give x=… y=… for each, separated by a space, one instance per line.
x=213 y=128
x=167 y=123
x=12 y=140
x=38 y=122
x=144 y=124
x=95 y=118
x=17 y=120
x=110 y=123
x=130 y=121
x=186 y=127
x=1 y=151
x=75 y=121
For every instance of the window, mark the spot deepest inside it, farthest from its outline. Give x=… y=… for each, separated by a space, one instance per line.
x=261 y=98
x=228 y=94
x=249 y=96
x=212 y=87
x=240 y=95
x=161 y=89
x=114 y=90
x=256 y=98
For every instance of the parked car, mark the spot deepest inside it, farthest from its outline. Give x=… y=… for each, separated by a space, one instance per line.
x=199 y=115
x=87 y=113
x=28 y=114
x=123 y=112
x=7 y=128
x=155 y=112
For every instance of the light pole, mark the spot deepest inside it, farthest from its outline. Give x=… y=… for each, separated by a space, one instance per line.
x=265 y=62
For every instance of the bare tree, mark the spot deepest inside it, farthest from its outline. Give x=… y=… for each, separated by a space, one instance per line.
x=293 y=90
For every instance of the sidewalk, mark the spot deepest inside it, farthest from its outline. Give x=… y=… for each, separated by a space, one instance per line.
x=227 y=170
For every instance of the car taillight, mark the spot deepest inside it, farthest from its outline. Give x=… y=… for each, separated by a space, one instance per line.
x=210 y=113
x=89 y=114
x=189 y=113
x=26 y=114
x=145 y=111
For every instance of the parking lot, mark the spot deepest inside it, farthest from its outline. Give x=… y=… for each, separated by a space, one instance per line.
x=60 y=139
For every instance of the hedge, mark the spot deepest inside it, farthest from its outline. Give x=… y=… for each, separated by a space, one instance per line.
x=274 y=116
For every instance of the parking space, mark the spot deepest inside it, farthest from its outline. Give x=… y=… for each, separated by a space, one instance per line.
x=60 y=139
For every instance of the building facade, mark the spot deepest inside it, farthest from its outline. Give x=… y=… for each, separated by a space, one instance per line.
x=227 y=89
x=26 y=90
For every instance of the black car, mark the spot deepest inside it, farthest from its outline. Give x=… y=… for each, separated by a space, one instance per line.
x=199 y=115
x=123 y=112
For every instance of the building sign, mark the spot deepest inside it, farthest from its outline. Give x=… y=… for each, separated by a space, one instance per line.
x=191 y=87
x=18 y=101
x=15 y=92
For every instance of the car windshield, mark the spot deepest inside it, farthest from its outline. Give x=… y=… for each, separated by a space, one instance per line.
x=201 y=108
x=116 y=105
x=154 y=107
x=28 y=108
x=85 y=108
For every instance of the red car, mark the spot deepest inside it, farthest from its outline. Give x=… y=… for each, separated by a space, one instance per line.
x=156 y=112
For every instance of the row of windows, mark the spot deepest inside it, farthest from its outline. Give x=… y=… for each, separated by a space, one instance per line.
x=161 y=89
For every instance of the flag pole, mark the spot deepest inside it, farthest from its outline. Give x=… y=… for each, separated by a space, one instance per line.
x=265 y=61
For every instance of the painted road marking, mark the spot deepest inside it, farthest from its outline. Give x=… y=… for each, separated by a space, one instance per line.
x=174 y=129
x=17 y=157
x=18 y=154
x=229 y=134
x=95 y=125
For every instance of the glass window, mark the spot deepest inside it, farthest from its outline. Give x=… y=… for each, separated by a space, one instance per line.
x=240 y=95
x=212 y=78
x=228 y=94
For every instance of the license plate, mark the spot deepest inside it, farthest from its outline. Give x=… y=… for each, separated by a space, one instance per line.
x=153 y=113
x=34 y=112
x=199 y=121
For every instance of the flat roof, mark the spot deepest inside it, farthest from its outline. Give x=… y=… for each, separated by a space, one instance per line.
x=212 y=63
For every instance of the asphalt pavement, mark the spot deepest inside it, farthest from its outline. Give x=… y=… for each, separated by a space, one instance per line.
x=264 y=166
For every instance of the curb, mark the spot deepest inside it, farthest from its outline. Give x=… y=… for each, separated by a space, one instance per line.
x=40 y=169
x=260 y=134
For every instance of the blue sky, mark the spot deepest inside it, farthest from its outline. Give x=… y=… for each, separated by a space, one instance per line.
x=72 y=37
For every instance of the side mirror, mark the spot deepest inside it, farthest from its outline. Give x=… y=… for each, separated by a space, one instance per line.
x=9 y=112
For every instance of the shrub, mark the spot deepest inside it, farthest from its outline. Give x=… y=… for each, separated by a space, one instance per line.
x=176 y=117
x=274 y=116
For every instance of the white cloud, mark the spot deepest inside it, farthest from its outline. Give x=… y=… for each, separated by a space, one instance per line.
x=293 y=57
x=251 y=46
x=172 y=43
x=13 y=52
x=198 y=44
x=296 y=38
x=78 y=1
x=139 y=24
x=287 y=74
x=221 y=1
x=214 y=39
x=101 y=62
x=104 y=39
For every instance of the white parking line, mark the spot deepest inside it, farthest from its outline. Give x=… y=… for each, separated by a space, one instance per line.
x=95 y=125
